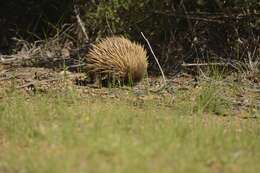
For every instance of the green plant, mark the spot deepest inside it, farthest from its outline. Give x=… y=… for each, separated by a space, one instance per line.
x=210 y=99
x=97 y=135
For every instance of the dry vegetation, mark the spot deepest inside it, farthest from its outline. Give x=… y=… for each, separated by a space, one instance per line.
x=204 y=118
x=204 y=125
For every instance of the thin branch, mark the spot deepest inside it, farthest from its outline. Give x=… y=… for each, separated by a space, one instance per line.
x=204 y=64
x=164 y=79
x=77 y=65
x=29 y=84
x=8 y=59
x=76 y=11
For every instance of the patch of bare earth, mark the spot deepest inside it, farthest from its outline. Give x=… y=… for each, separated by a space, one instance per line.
x=244 y=98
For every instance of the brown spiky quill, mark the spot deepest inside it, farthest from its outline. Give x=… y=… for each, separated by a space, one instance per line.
x=119 y=57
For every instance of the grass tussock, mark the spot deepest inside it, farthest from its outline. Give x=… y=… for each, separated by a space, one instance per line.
x=68 y=133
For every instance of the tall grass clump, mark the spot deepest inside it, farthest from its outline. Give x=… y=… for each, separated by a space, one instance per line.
x=68 y=133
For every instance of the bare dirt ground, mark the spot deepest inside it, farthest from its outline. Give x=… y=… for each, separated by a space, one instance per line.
x=32 y=80
x=242 y=93
x=44 y=79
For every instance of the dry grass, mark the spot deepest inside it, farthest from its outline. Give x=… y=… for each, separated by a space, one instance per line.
x=68 y=132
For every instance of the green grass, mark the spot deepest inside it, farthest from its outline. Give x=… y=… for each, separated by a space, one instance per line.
x=67 y=133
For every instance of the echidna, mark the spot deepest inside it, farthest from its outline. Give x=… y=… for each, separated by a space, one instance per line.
x=118 y=58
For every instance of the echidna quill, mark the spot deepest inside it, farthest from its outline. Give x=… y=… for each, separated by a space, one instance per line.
x=118 y=58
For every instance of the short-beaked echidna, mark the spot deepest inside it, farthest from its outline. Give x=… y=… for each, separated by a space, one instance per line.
x=117 y=57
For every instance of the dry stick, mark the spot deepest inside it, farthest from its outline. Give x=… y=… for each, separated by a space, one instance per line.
x=77 y=65
x=210 y=64
x=204 y=64
x=164 y=79
x=8 y=59
x=32 y=83
x=26 y=85
x=76 y=10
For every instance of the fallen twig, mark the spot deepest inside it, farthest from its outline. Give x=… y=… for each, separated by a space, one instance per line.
x=6 y=78
x=164 y=79
x=77 y=65
x=204 y=64
x=7 y=59
x=26 y=85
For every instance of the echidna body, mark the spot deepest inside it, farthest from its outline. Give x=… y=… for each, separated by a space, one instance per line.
x=117 y=57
